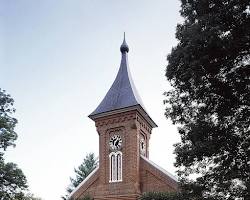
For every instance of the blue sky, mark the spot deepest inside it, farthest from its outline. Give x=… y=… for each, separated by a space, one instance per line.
x=58 y=59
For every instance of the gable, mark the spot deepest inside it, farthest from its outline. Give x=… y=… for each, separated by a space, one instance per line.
x=154 y=178
x=87 y=186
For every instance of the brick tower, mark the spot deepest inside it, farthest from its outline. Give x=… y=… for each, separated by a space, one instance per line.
x=124 y=129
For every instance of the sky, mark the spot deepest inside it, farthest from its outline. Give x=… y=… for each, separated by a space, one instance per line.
x=58 y=58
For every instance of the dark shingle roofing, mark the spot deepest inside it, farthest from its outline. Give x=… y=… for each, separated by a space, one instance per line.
x=122 y=94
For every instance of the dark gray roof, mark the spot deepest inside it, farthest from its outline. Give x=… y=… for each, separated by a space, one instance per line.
x=122 y=93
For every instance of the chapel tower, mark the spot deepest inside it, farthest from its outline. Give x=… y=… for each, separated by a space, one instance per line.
x=124 y=129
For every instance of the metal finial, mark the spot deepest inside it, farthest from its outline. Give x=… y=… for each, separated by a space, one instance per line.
x=124 y=47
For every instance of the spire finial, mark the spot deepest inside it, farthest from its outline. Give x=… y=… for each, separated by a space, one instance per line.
x=124 y=47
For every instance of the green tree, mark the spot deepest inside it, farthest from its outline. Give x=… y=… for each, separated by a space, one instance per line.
x=13 y=183
x=7 y=122
x=89 y=163
x=30 y=196
x=209 y=71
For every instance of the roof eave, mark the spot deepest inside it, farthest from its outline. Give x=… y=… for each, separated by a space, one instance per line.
x=83 y=182
x=137 y=107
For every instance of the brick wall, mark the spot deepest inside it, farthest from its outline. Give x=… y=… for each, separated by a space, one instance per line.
x=137 y=175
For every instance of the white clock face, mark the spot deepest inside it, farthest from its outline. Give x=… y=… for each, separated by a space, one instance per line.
x=115 y=142
x=142 y=146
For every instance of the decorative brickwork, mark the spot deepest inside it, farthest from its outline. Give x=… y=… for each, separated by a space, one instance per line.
x=124 y=128
x=138 y=175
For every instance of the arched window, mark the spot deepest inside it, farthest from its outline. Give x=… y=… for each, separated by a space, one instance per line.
x=115 y=166
x=119 y=167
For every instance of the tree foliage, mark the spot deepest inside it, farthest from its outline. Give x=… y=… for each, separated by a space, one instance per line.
x=30 y=196
x=89 y=163
x=209 y=71
x=13 y=183
x=7 y=122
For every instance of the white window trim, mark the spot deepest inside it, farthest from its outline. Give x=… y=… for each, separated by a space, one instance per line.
x=113 y=174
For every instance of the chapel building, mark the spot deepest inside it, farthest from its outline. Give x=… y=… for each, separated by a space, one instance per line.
x=124 y=128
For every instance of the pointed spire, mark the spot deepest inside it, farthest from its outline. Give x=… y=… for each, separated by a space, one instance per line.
x=122 y=95
x=124 y=47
